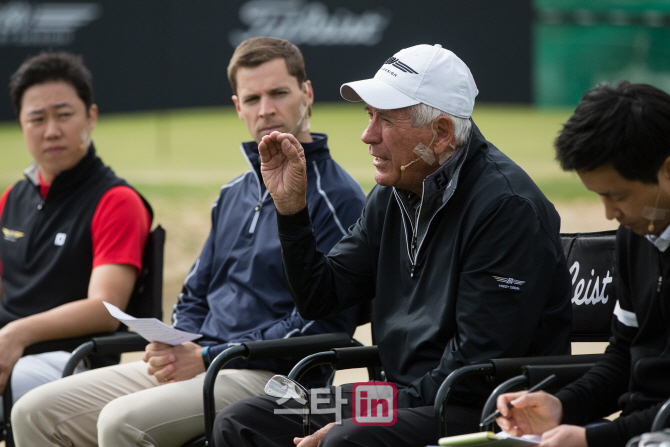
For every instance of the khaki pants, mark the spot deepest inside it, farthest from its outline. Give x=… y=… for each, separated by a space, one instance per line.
x=32 y=371
x=123 y=406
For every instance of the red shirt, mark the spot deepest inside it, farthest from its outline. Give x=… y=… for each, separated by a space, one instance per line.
x=119 y=228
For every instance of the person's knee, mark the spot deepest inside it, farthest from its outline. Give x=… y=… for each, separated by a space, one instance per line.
x=30 y=408
x=240 y=422
x=237 y=411
x=35 y=416
x=24 y=409
x=118 y=419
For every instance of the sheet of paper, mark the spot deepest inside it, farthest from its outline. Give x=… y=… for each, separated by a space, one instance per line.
x=529 y=438
x=482 y=439
x=151 y=329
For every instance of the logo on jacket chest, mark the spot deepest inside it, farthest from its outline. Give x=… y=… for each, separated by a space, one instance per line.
x=60 y=239
x=12 y=235
x=509 y=283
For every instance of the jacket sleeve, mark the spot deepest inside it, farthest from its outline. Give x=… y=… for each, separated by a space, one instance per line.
x=332 y=217
x=493 y=319
x=192 y=308
x=321 y=285
x=622 y=429
x=596 y=394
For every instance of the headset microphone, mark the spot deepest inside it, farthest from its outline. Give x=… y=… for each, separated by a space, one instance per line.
x=402 y=168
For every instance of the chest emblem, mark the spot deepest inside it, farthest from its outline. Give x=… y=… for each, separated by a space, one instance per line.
x=509 y=283
x=60 y=239
x=12 y=235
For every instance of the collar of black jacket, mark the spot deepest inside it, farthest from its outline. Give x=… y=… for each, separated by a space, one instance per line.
x=445 y=179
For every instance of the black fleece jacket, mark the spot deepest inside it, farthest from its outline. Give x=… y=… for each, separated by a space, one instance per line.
x=488 y=280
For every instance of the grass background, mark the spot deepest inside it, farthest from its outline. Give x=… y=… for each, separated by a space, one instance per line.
x=179 y=159
x=174 y=154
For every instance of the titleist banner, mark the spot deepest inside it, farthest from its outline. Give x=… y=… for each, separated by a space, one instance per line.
x=158 y=54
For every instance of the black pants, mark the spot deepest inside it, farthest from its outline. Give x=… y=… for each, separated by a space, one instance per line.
x=253 y=422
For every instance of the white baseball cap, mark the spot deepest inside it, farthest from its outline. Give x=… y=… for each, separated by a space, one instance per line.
x=420 y=74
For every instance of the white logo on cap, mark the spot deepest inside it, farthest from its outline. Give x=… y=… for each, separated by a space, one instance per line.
x=396 y=63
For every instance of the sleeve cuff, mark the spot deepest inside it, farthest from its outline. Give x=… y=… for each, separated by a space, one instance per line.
x=572 y=411
x=294 y=226
x=604 y=435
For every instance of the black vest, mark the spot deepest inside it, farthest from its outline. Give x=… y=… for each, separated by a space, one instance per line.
x=46 y=247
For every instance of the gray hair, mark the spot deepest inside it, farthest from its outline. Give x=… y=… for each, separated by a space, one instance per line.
x=423 y=115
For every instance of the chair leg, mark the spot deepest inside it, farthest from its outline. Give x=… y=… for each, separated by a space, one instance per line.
x=7 y=403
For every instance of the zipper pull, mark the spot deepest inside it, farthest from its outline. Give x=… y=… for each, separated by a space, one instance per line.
x=41 y=205
x=411 y=275
x=660 y=281
x=254 y=221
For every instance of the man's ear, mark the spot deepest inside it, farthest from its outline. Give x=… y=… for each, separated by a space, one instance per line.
x=236 y=101
x=310 y=94
x=92 y=117
x=665 y=169
x=444 y=135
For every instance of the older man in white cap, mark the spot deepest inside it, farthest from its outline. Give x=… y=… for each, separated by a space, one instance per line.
x=457 y=246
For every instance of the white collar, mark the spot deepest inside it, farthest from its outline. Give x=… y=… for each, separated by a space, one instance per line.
x=662 y=242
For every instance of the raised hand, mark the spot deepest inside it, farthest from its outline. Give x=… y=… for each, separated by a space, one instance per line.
x=284 y=171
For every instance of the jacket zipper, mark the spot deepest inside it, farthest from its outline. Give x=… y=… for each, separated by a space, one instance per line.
x=261 y=198
x=413 y=241
x=413 y=245
x=257 y=213
x=660 y=273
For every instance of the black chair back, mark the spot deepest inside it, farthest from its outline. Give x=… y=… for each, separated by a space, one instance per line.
x=147 y=298
x=590 y=260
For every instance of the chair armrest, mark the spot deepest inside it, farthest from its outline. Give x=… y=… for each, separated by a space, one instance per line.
x=565 y=373
x=340 y=358
x=661 y=419
x=114 y=344
x=447 y=387
x=264 y=349
x=498 y=371
x=63 y=344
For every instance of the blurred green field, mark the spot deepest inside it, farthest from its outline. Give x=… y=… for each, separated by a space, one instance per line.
x=188 y=153
x=179 y=160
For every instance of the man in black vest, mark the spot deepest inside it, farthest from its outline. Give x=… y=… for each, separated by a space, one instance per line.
x=73 y=232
